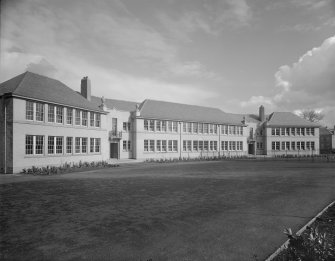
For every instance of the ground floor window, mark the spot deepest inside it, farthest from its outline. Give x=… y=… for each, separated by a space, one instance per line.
x=29 y=144
x=126 y=146
x=69 y=145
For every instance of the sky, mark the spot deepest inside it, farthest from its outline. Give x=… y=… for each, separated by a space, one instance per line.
x=231 y=54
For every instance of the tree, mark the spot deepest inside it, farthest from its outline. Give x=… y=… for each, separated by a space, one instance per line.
x=311 y=115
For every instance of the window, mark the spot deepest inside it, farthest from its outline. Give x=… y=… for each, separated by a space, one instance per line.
x=84 y=118
x=152 y=145
x=29 y=110
x=287 y=145
x=298 y=131
x=189 y=127
x=273 y=131
x=293 y=131
x=205 y=128
x=39 y=111
x=224 y=129
x=77 y=112
x=277 y=145
x=175 y=126
x=313 y=144
x=211 y=130
x=287 y=131
x=201 y=145
x=215 y=145
x=146 y=145
x=282 y=131
x=298 y=145
x=302 y=145
x=312 y=132
x=195 y=127
x=283 y=145
x=51 y=145
x=77 y=145
x=92 y=119
x=195 y=145
x=158 y=125
x=146 y=125
x=308 y=145
x=211 y=145
x=184 y=127
x=200 y=127
x=241 y=145
x=59 y=114
x=189 y=145
x=39 y=144
x=69 y=113
x=206 y=145
x=273 y=145
x=152 y=125
x=69 y=145
x=303 y=131
x=51 y=113
x=97 y=120
x=169 y=126
x=29 y=144
x=224 y=145
x=293 y=145
x=59 y=145
x=163 y=125
x=158 y=145
x=98 y=144
x=92 y=145
x=170 y=145
x=215 y=127
x=259 y=145
x=277 y=132
x=184 y=145
x=124 y=145
x=234 y=145
x=83 y=145
x=126 y=126
x=164 y=145
x=175 y=145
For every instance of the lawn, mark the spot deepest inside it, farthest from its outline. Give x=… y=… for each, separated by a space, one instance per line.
x=229 y=210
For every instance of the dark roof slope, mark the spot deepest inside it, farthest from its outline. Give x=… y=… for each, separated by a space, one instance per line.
x=325 y=131
x=35 y=86
x=153 y=109
x=288 y=119
x=117 y=104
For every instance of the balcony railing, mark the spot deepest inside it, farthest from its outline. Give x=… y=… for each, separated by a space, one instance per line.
x=115 y=135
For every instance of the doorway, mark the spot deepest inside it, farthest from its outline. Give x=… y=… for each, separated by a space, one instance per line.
x=251 y=148
x=114 y=150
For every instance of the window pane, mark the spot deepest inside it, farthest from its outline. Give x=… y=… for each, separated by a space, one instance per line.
x=59 y=145
x=77 y=147
x=97 y=120
x=84 y=118
x=69 y=112
x=39 y=111
x=92 y=119
x=97 y=144
x=39 y=147
x=29 y=110
x=29 y=144
x=83 y=145
x=51 y=145
x=59 y=114
x=91 y=145
x=69 y=145
x=77 y=117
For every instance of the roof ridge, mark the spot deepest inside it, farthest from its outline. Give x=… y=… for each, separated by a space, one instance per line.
x=24 y=76
x=200 y=106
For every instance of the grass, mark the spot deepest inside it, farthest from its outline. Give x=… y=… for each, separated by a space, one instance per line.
x=185 y=211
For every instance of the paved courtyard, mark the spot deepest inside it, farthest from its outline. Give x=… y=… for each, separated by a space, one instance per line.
x=228 y=210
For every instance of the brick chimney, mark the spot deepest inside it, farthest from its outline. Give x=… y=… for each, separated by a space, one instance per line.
x=86 y=88
x=261 y=113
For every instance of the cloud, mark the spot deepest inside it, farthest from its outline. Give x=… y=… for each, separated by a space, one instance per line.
x=42 y=67
x=308 y=83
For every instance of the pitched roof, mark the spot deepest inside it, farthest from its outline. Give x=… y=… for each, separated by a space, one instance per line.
x=117 y=104
x=325 y=131
x=35 y=86
x=153 y=109
x=288 y=119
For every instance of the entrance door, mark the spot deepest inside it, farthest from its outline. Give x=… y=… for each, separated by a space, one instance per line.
x=251 y=148
x=114 y=151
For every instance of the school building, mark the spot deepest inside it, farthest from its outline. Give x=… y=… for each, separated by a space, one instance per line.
x=44 y=122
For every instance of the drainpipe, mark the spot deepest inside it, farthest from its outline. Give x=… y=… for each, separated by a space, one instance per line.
x=5 y=143
x=180 y=140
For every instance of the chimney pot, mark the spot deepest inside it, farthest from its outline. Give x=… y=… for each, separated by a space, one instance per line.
x=86 y=88
x=261 y=113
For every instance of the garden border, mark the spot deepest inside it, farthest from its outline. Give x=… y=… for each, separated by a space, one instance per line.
x=300 y=231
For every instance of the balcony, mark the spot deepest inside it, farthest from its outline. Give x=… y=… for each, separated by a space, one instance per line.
x=115 y=135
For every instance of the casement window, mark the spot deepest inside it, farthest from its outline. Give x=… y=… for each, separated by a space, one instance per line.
x=97 y=120
x=293 y=145
x=201 y=145
x=298 y=131
x=211 y=130
x=230 y=130
x=152 y=145
x=126 y=126
x=206 y=128
x=224 y=145
x=308 y=145
x=151 y=125
x=51 y=113
x=241 y=145
x=39 y=111
x=277 y=145
x=237 y=145
x=92 y=119
x=308 y=131
x=206 y=145
x=51 y=145
x=84 y=118
x=225 y=129
x=170 y=145
x=234 y=145
x=77 y=145
x=302 y=145
x=241 y=131
x=98 y=145
x=283 y=145
x=189 y=127
x=146 y=125
x=195 y=127
x=29 y=110
x=298 y=145
x=273 y=131
x=184 y=127
x=129 y=145
x=77 y=117
x=164 y=126
x=195 y=145
x=215 y=128
x=189 y=145
x=175 y=126
x=201 y=128
x=158 y=145
x=69 y=145
x=230 y=145
x=126 y=145
x=146 y=145
x=34 y=145
x=277 y=132
x=29 y=144
x=211 y=145
x=69 y=116
x=234 y=130
x=282 y=131
x=215 y=145
x=164 y=148
x=83 y=145
x=59 y=145
x=273 y=145
x=312 y=145
x=169 y=126
x=158 y=126
x=287 y=145
x=303 y=131
x=293 y=131
x=92 y=145
x=184 y=145
x=287 y=131
x=175 y=145
x=312 y=131
x=59 y=114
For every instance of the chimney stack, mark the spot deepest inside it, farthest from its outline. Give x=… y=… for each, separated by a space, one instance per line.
x=261 y=113
x=86 y=88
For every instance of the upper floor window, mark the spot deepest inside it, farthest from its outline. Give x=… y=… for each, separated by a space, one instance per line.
x=69 y=116
x=97 y=120
x=92 y=119
x=84 y=118
x=146 y=125
x=151 y=125
x=59 y=114
x=39 y=111
x=77 y=119
x=126 y=126
x=51 y=113
x=175 y=126
x=163 y=125
x=29 y=110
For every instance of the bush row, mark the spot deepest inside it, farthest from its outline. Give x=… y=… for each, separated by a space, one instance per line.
x=67 y=167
